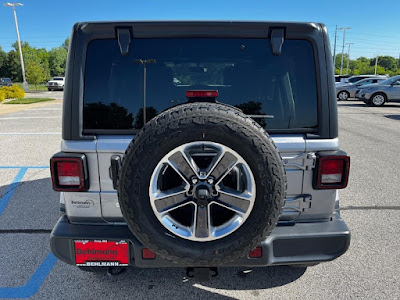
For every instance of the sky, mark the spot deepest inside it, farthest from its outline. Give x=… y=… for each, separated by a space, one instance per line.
x=375 y=26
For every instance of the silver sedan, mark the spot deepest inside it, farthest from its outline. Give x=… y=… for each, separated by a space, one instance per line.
x=378 y=94
x=343 y=92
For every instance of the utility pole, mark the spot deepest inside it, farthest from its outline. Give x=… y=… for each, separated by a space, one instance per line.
x=348 y=58
x=334 y=51
x=344 y=37
x=144 y=62
x=24 y=83
x=376 y=63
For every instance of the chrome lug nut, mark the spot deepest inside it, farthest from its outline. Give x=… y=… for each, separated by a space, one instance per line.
x=194 y=180
x=210 y=180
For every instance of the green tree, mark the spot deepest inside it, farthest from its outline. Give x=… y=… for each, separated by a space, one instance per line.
x=32 y=54
x=3 y=63
x=35 y=73
x=65 y=45
x=57 y=61
x=13 y=66
x=44 y=57
x=339 y=61
x=387 y=62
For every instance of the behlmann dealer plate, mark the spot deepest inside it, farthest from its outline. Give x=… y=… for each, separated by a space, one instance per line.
x=101 y=253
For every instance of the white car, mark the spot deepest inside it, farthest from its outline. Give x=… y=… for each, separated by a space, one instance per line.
x=57 y=83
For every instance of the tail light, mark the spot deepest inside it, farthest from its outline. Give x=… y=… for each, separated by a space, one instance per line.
x=256 y=253
x=332 y=170
x=201 y=94
x=69 y=172
x=148 y=254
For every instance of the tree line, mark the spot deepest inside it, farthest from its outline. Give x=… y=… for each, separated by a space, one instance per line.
x=40 y=64
x=362 y=65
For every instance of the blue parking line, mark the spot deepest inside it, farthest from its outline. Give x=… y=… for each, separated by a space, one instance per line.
x=12 y=188
x=34 y=283
x=37 y=279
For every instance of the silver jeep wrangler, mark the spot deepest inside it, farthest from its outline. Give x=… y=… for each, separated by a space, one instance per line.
x=199 y=145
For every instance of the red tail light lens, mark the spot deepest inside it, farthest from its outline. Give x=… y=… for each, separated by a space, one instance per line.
x=201 y=94
x=148 y=254
x=333 y=172
x=68 y=173
x=256 y=253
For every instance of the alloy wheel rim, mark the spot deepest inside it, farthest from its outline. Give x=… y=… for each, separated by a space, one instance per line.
x=212 y=193
x=343 y=96
x=378 y=100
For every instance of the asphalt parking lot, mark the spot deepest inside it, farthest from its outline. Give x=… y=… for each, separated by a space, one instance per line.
x=45 y=94
x=370 y=206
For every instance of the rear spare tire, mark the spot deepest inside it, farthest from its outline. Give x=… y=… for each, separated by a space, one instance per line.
x=201 y=184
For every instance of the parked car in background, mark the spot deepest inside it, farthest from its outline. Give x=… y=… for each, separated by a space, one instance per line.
x=377 y=94
x=5 y=82
x=355 y=78
x=346 y=91
x=341 y=78
x=57 y=83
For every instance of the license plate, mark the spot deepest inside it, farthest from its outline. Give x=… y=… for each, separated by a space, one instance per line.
x=101 y=253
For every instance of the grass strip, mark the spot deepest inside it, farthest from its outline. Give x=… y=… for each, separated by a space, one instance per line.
x=28 y=100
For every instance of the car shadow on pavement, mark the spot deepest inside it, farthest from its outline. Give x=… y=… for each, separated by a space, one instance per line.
x=393 y=117
x=256 y=278
x=352 y=104
x=228 y=278
x=364 y=105
x=28 y=203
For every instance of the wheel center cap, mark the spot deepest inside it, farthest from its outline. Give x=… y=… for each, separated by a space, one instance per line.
x=202 y=194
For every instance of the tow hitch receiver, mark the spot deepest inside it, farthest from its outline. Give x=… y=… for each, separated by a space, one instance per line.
x=202 y=274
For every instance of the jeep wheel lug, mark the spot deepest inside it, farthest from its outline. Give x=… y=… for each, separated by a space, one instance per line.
x=194 y=180
x=210 y=180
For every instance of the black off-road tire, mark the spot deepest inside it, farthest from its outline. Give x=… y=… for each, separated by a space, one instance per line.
x=201 y=122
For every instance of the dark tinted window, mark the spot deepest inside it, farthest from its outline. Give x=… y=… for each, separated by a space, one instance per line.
x=355 y=79
x=279 y=92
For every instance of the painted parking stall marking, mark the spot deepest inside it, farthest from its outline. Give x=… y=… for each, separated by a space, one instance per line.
x=34 y=283
x=12 y=188
x=38 y=277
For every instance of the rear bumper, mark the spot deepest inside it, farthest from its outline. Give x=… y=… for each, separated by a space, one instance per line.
x=302 y=243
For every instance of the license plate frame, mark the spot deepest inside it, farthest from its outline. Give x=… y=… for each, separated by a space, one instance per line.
x=101 y=253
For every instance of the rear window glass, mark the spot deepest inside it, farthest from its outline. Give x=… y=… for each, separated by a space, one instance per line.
x=279 y=92
x=58 y=78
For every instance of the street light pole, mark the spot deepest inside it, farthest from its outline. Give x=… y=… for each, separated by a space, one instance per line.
x=334 y=51
x=344 y=35
x=25 y=84
x=144 y=62
x=348 y=58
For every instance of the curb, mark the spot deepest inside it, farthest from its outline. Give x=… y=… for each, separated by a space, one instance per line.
x=13 y=108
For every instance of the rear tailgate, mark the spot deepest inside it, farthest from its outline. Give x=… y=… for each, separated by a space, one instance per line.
x=298 y=155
